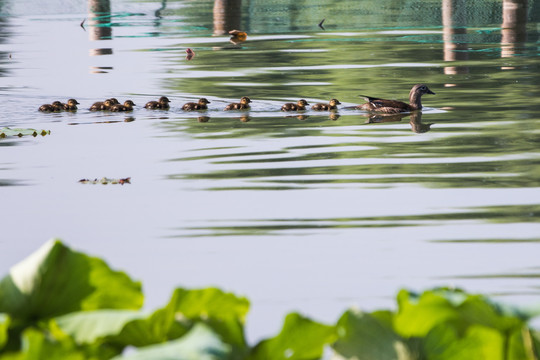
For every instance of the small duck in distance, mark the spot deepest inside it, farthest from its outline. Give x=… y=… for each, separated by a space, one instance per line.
x=55 y=106
x=103 y=105
x=299 y=106
x=162 y=103
x=242 y=105
x=332 y=105
x=71 y=105
x=395 y=106
x=200 y=105
x=127 y=106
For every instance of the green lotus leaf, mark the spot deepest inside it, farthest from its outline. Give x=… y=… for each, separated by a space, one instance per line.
x=119 y=327
x=447 y=342
x=201 y=343
x=369 y=336
x=300 y=338
x=4 y=325
x=224 y=312
x=56 y=280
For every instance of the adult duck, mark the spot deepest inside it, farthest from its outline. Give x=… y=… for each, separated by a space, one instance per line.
x=395 y=106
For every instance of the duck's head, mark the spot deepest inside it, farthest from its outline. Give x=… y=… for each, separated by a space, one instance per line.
x=245 y=100
x=302 y=102
x=114 y=101
x=334 y=102
x=57 y=103
x=203 y=101
x=72 y=102
x=108 y=103
x=164 y=100
x=420 y=89
x=129 y=103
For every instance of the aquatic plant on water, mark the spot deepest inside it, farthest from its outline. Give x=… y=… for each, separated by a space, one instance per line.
x=63 y=304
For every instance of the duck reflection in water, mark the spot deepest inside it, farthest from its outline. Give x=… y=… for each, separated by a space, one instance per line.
x=415 y=121
x=203 y=119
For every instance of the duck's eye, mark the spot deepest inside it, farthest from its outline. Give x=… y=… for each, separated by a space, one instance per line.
x=423 y=88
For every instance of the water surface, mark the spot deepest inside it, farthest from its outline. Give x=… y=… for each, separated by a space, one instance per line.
x=305 y=211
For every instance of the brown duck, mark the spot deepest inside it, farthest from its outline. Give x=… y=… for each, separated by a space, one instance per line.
x=71 y=105
x=162 y=103
x=330 y=106
x=54 y=107
x=200 y=105
x=127 y=106
x=300 y=105
x=395 y=106
x=242 y=105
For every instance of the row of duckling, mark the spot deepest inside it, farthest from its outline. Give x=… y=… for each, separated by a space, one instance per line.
x=372 y=104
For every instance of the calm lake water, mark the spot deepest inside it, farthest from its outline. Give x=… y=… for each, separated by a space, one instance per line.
x=312 y=212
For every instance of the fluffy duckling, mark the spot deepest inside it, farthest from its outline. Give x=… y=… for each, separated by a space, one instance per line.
x=242 y=105
x=200 y=105
x=162 y=103
x=114 y=101
x=330 y=106
x=127 y=106
x=71 y=105
x=394 y=106
x=300 y=105
x=47 y=108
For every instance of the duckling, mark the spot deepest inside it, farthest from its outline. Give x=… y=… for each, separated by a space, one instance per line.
x=242 y=105
x=162 y=103
x=58 y=106
x=237 y=36
x=300 y=105
x=394 y=106
x=127 y=106
x=200 y=105
x=114 y=101
x=330 y=106
x=47 y=108
x=71 y=105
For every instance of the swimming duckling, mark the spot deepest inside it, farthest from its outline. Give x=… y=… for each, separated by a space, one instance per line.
x=47 y=108
x=300 y=105
x=200 y=105
x=54 y=107
x=237 y=36
x=394 y=106
x=58 y=106
x=330 y=106
x=162 y=103
x=127 y=106
x=242 y=105
x=71 y=105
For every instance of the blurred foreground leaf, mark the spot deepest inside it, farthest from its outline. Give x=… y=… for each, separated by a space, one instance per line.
x=55 y=280
x=201 y=343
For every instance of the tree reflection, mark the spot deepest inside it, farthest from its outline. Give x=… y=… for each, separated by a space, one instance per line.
x=227 y=16
x=99 y=19
x=514 y=27
x=454 y=32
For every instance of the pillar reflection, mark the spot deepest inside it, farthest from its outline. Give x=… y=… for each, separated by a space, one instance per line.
x=99 y=19
x=227 y=16
x=514 y=27
x=454 y=32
